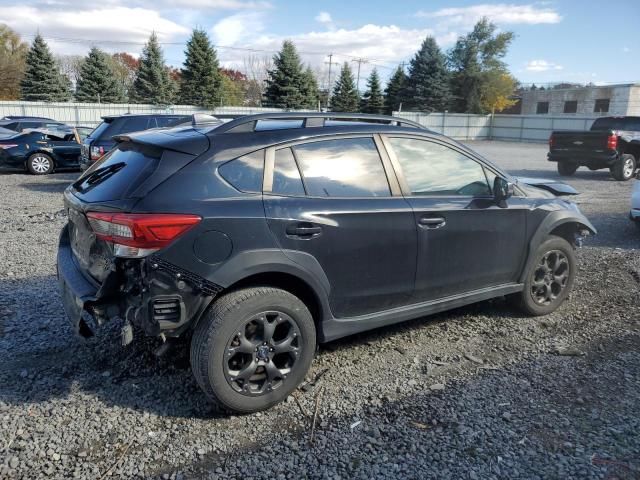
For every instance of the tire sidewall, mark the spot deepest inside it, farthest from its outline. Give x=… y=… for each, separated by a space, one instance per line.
x=551 y=243
x=618 y=169
x=280 y=301
x=39 y=154
x=566 y=169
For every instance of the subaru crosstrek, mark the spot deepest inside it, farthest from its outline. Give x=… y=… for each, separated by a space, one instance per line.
x=261 y=237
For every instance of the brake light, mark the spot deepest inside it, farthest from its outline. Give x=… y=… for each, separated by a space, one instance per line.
x=612 y=141
x=136 y=235
x=551 y=141
x=96 y=152
x=7 y=146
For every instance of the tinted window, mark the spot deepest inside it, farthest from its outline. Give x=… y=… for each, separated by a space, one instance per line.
x=609 y=123
x=171 y=121
x=342 y=168
x=601 y=105
x=134 y=124
x=118 y=173
x=25 y=125
x=434 y=169
x=99 y=130
x=286 y=176
x=542 y=107
x=245 y=173
x=570 y=106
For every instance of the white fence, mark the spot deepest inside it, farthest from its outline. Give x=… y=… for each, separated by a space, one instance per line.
x=89 y=114
x=520 y=128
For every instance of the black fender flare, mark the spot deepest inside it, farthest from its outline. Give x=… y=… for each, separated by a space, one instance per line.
x=551 y=222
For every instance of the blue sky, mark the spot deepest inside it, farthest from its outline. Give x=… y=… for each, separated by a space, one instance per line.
x=555 y=41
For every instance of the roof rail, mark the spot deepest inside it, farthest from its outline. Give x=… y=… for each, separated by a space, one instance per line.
x=248 y=123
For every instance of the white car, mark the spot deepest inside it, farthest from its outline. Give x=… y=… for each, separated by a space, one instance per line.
x=635 y=203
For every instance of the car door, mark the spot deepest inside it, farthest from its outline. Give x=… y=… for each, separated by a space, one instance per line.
x=466 y=241
x=332 y=199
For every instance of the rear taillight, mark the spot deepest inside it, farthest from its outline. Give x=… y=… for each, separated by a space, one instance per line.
x=551 y=141
x=136 y=235
x=96 y=152
x=612 y=141
x=7 y=146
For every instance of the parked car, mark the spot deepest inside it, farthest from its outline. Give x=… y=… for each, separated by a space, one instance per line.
x=634 y=213
x=39 y=151
x=260 y=237
x=19 y=124
x=612 y=142
x=100 y=141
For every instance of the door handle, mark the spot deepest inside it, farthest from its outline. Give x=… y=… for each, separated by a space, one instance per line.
x=432 y=222
x=303 y=230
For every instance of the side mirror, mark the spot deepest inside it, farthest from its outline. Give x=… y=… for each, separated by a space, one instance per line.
x=502 y=190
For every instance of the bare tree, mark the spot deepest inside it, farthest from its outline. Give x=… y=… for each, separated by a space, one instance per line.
x=70 y=65
x=256 y=69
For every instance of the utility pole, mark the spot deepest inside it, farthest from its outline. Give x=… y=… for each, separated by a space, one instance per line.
x=360 y=62
x=329 y=85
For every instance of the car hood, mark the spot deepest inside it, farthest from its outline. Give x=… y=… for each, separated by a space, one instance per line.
x=551 y=186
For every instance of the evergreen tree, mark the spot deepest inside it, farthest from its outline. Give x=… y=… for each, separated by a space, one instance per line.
x=286 y=81
x=152 y=83
x=427 y=86
x=373 y=100
x=42 y=79
x=310 y=89
x=394 y=93
x=345 y=96
x=201 y=79
x=473 y=55
x=97 y=81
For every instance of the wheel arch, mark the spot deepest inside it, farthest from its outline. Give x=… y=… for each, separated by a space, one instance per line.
x=562 y=223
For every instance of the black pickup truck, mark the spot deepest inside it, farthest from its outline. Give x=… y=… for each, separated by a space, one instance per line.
x=612 y=142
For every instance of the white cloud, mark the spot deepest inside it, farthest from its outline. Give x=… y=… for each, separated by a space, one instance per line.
x=626 y=49
x=237 y=28
x=542 y=66
x=324 y=17
x=498 y=13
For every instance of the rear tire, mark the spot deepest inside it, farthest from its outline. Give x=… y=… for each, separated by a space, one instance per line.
x=624 y=168
x=40 y=164
x=567 y=169
x=252 y=348
x=549 y=277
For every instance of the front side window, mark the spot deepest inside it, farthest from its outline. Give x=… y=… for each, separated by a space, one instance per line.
x=245 y=173
x=434 y=169
x=349 y=167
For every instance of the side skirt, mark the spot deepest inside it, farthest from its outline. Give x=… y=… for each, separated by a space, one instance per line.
x=335 y=328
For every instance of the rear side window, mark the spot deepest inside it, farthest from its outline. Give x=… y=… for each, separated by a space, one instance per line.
x=286 y=176
x=118 y=173
x=245 y=173
x=349 y=167
x=134 y=124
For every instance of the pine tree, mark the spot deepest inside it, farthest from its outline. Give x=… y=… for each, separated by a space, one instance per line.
x=42 y=78
x=152 y=83
x=427 y=86
x=394 y=93
x=310 y=89
x=97 y=81
x=286 y=81
x=345 y=96
x=201 y=79
x=373 y=100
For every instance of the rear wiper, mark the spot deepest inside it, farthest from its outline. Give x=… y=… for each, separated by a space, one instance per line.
x=99 y=175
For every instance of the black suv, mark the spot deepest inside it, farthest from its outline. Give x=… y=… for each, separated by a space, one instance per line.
x=100 y=141
x=263 y=236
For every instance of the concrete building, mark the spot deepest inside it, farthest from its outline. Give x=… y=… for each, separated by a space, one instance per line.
x=623 y=99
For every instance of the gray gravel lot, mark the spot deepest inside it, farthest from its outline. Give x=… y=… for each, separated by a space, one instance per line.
x=479 y=392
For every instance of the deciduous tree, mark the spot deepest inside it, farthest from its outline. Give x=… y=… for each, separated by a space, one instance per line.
x=13 y=52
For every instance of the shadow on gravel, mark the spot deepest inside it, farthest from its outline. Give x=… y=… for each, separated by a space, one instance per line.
x=44 y=360
x=565 y=428
x=56 y=186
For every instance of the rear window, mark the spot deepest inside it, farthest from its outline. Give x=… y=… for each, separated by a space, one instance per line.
x=171 y=121
x=118 y=173
x=612 y=123
x=99 y=130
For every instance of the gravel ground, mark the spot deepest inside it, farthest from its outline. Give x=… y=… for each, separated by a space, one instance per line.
x=479 y=392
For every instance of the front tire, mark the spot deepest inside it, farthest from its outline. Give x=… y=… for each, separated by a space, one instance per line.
x=624 y=168
x=549 y=277
x=252 y=348
x=567 y=169
x=40 y=164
